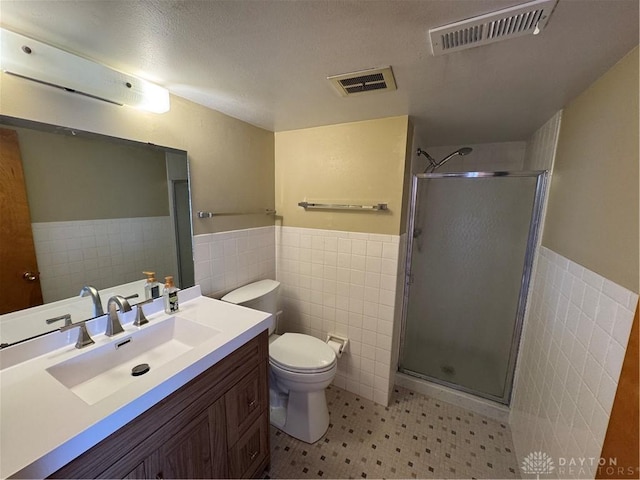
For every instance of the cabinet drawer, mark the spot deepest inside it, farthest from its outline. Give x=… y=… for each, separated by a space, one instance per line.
x=245 y=402
x=250 y=454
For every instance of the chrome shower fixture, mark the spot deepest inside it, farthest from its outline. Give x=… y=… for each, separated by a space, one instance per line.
x=432 y=162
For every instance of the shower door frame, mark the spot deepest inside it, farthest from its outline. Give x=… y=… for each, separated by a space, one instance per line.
x=532 y=242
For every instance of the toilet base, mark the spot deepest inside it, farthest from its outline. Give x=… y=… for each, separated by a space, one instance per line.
x=278 y=417
x=306 y=416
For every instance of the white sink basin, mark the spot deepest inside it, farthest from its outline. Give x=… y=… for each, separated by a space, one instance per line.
x=104 y=370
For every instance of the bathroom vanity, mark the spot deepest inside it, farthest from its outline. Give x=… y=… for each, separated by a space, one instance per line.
x=202 y=412
x=216 y=426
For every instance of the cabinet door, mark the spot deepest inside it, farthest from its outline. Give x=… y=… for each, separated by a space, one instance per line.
x=130 y=467
x=218 y=439
x=197 y=451
x=188 y=454
x=139 y=472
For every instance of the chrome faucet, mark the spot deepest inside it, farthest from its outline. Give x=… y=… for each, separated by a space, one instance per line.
x=95 y=298
x=113 y=322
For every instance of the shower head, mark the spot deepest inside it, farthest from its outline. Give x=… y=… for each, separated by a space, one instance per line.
x=433 y=164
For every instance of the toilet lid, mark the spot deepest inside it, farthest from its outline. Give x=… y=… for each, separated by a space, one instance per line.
x=301 y=353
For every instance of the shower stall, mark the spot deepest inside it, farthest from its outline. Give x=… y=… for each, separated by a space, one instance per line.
x=470 y=250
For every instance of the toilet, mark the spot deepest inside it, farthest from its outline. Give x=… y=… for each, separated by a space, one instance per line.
x=301 y=367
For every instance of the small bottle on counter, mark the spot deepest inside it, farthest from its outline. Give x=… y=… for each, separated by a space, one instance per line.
x=152 y=287
x=170 y=295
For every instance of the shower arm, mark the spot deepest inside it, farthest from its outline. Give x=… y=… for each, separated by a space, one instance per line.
x=432 y=162
x=445 y=160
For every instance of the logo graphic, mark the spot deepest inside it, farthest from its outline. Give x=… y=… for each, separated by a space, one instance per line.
x=537 y=463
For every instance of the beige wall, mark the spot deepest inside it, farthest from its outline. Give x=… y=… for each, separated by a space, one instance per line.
x=61 y=171
x=232 y=166
x=360 y=162
x=592 y=215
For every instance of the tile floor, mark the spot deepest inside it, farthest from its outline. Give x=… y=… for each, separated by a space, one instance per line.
x=415 y=437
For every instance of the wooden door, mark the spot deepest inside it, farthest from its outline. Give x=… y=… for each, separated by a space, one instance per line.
x=620 y=451
x=19 y=275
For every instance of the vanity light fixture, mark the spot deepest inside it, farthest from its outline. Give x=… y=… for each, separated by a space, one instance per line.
x=27 y=58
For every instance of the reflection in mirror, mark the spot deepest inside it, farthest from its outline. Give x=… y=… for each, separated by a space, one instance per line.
x=87 y=210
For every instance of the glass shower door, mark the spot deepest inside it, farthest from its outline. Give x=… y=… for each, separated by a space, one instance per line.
x=467 y=273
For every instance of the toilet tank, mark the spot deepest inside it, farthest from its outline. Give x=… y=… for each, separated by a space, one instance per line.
x=262 y=295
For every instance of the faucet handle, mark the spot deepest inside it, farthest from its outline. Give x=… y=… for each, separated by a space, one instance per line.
x=66 y=317
x=140 y=317
x=130 y=297
x=84 y=338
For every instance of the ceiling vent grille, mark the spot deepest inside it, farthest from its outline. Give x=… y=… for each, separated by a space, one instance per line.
x=356 y=83
x=503 y=24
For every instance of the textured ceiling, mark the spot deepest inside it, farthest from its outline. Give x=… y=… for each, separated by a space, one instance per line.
x=266 y=61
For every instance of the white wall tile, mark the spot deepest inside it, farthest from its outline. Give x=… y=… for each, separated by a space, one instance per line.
x=606 y=392
x=614 y=359
x=577 y=360
x=102 y=253
x=355 y=298
x=622 y=325
x=228 y=260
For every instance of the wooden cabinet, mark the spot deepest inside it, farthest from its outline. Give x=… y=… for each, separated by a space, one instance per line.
x=216 y=426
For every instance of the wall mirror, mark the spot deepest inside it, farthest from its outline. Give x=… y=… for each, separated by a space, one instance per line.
x=79 y=208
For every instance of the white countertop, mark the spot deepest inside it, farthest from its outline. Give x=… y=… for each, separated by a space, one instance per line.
x=44 y=425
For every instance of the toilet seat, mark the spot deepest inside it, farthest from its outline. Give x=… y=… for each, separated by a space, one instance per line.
x=300 y=353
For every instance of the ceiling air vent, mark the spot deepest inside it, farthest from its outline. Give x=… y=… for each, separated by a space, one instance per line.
x=530 y=17
x=355 y=83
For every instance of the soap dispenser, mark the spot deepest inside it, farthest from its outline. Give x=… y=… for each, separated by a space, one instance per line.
x=152 y=287
x=170 y=296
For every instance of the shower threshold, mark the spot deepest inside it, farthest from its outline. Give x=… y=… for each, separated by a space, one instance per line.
x=455 y=396
x=456 y=381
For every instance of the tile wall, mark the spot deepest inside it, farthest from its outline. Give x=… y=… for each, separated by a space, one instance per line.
x=227 y=260
x=541 y=147
x=331 y=282
x=101 y=253
x=343 y=283
x=570 y=362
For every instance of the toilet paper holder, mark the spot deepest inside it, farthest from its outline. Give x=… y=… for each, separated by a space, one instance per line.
x=341 y=341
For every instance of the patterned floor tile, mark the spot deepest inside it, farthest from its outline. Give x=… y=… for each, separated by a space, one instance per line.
x=415 y=437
